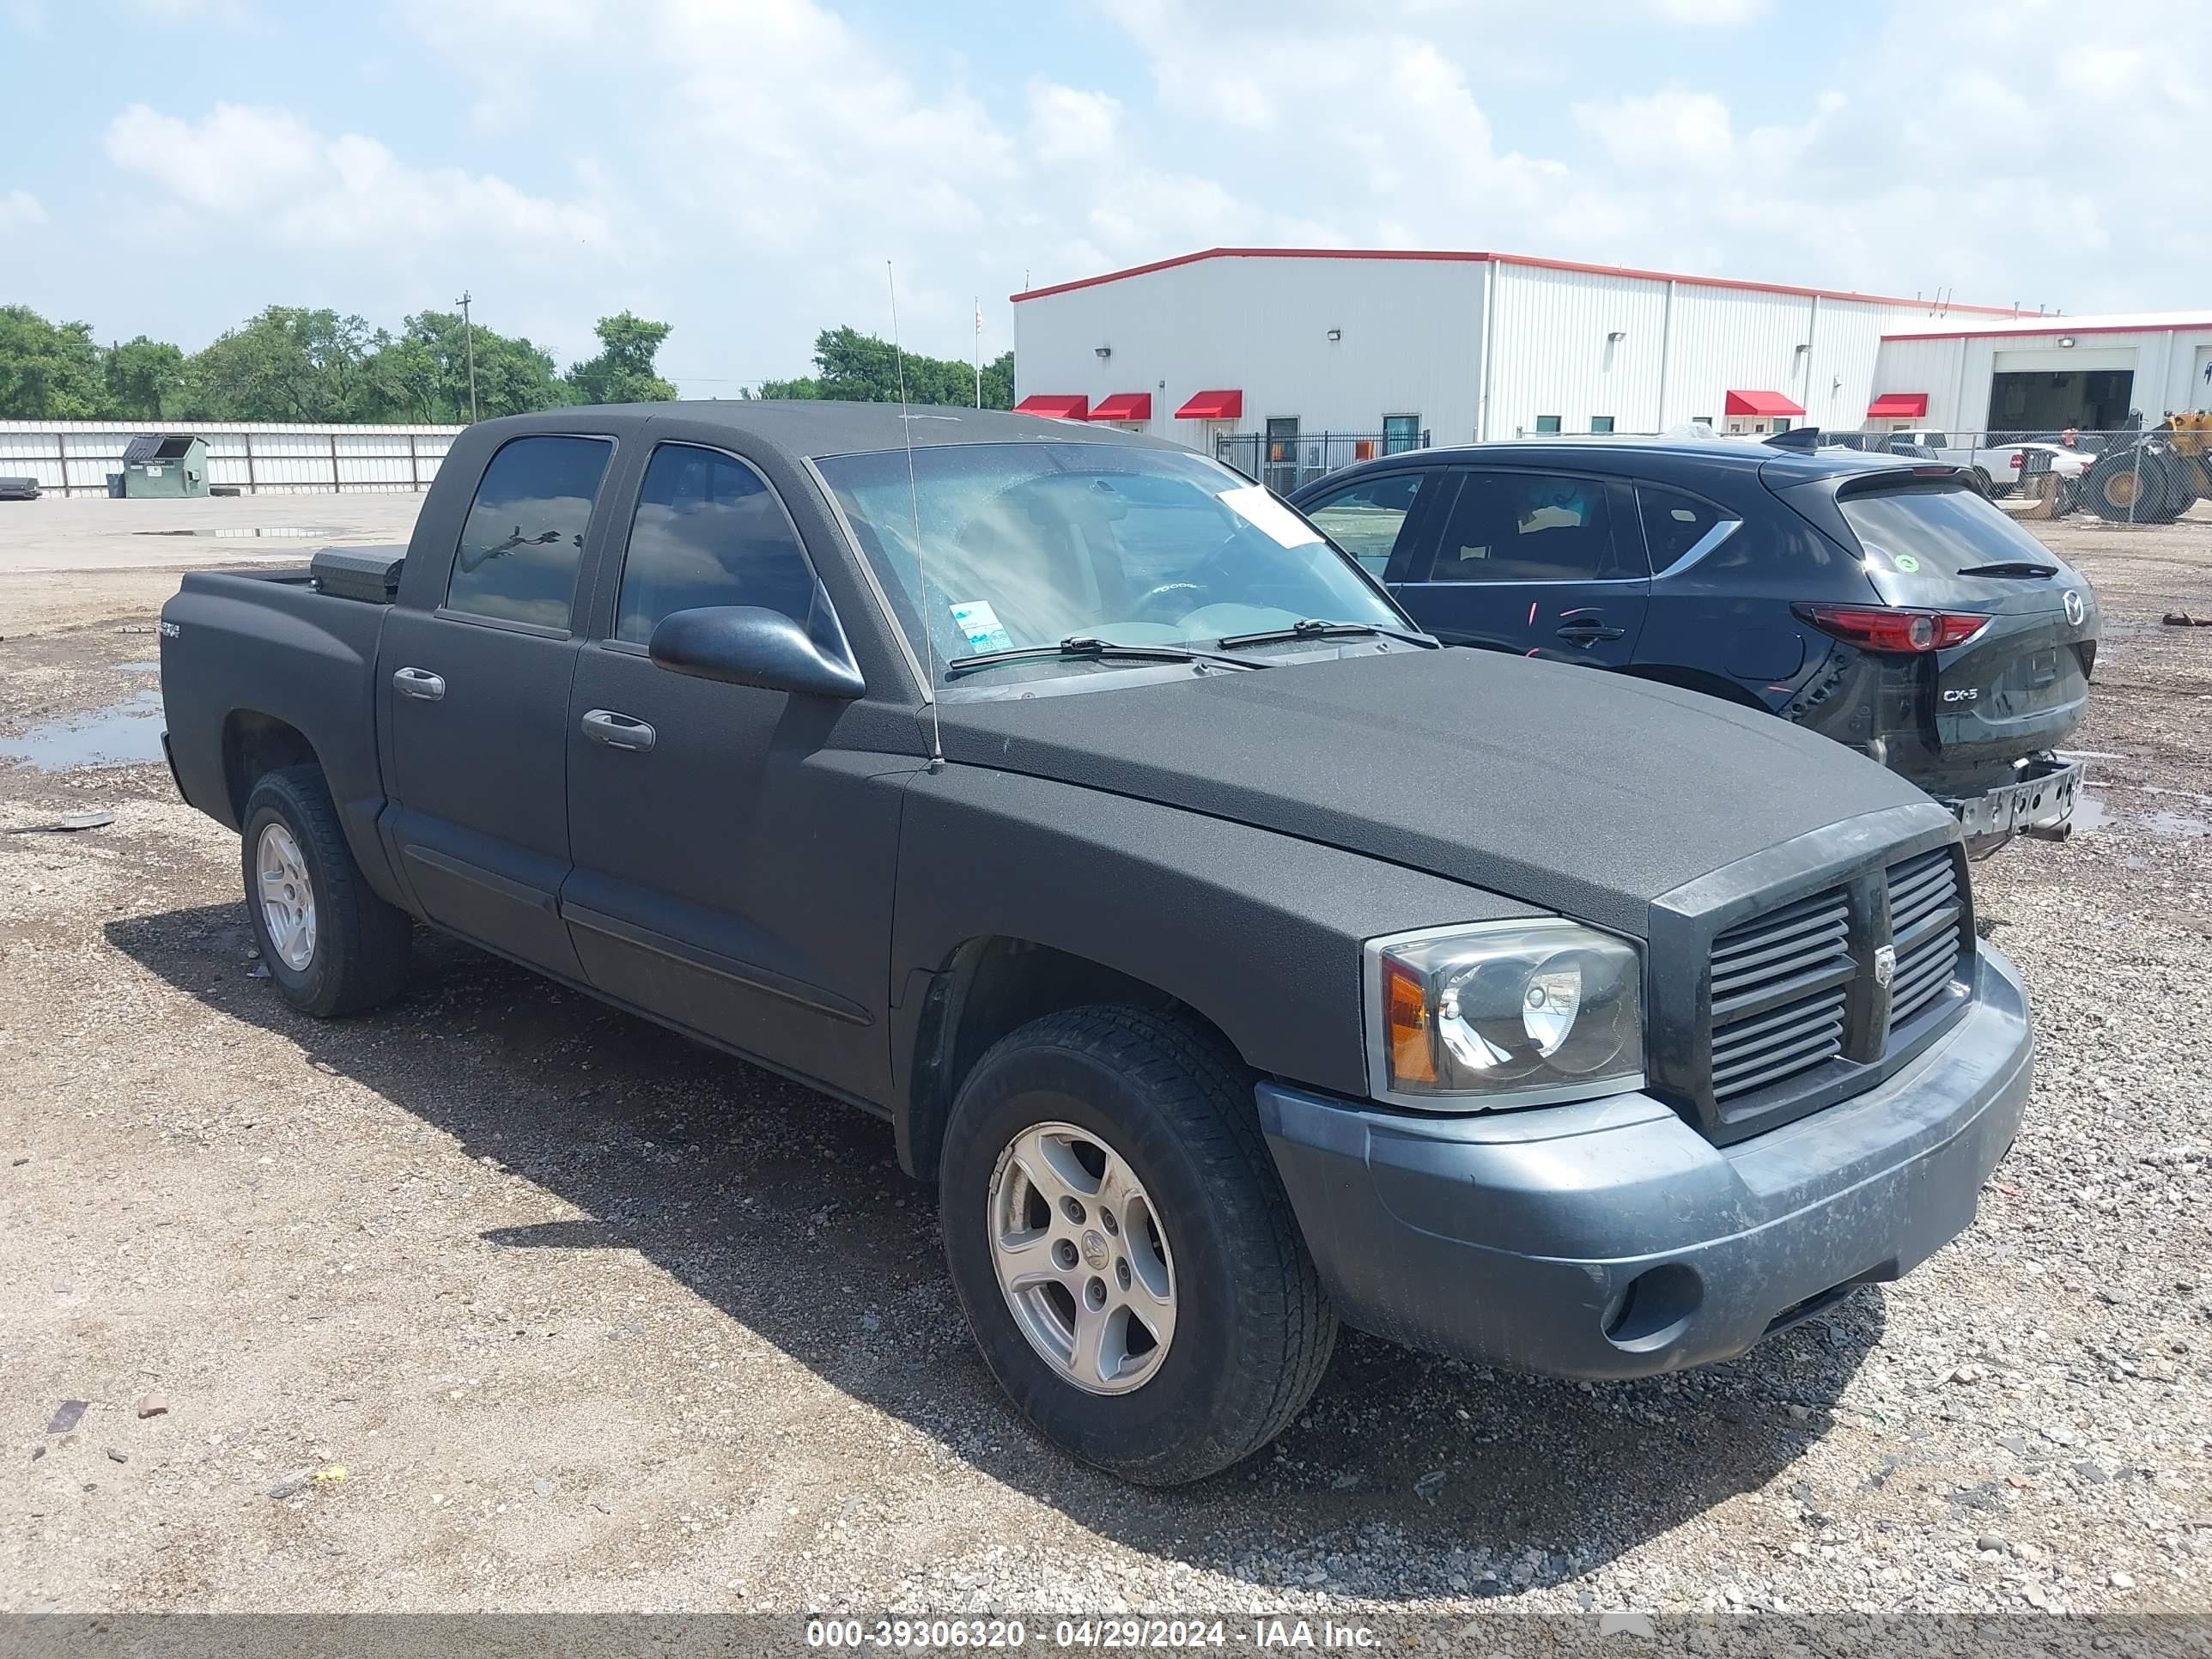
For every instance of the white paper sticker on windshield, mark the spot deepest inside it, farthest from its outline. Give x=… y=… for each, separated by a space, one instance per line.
x=981 y=627
x=1256 y=506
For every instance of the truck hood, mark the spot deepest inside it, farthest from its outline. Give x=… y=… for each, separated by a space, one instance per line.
x=1584 y=793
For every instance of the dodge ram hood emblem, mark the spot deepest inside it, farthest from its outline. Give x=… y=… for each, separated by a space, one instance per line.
x=1885 y=964
x=2074 y=608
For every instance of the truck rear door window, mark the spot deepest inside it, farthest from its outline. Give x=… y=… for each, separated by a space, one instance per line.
x=1940 y=527
x=524 y=537
x=708 y=531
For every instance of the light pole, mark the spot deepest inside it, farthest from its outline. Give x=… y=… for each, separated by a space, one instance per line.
x=468 y=333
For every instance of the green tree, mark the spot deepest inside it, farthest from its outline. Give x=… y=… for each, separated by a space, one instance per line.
x=143 y=378
x=623 y=370
x=857 y=367
x=423 y=373
x=48 y=371
x=287 y=364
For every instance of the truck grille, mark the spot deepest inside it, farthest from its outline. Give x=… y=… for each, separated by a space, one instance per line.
x=1780 y=986
x=1785 y=1008
x=1924 y=913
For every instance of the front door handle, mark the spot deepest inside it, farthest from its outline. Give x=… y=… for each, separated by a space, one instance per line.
x=1589 y=632
x=419 y=683
x=617 y=731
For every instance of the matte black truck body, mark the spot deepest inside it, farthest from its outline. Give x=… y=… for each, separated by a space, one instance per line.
x=880 y=890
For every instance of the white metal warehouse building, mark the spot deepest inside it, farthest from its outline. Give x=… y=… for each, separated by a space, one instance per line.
x=1417 y=346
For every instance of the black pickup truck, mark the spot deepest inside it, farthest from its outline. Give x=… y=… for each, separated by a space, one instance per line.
x=1236 y=960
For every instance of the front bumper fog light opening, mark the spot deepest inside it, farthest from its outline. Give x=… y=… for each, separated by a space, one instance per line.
x=1654 y=1308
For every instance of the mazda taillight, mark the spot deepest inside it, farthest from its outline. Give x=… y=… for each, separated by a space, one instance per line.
x=1888 y=627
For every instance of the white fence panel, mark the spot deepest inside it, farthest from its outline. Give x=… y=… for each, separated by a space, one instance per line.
x=75 y=457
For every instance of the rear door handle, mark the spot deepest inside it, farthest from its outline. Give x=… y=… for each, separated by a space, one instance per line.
x=419 y=683
x=1589 y=632
x=617 y=731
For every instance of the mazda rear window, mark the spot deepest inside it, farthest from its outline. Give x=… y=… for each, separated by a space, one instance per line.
x=1938 y=526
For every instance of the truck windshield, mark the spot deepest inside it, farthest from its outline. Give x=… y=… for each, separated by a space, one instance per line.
x=1944 y=528
x=1026 y=544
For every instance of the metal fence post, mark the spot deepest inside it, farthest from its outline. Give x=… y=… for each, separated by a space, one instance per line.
x=252 y=479
x=334 y=464
x=2135 y=495
x=414 y=467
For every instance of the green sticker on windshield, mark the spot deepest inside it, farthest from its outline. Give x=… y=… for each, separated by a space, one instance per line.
x=981 y=626
x=1907 y=563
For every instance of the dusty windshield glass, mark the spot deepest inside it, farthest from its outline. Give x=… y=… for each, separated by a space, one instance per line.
x=1029 y=544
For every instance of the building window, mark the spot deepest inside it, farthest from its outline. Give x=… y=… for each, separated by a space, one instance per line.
x=1548 y=423
x=1401 y=433
x=1701 y=419
x=1782 y=423
x=1601 y=422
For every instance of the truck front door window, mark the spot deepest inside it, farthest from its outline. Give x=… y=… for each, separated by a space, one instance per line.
x=524 y=537
x=708 y=531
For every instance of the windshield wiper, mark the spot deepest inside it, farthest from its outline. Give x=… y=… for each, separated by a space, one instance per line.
x=1080 y=645
x=1313 y=628
x=2011 y=567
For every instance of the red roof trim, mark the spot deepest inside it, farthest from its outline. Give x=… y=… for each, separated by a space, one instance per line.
x=1123 y=406
x=1058 y=405
x=1760 y=403
x=1473 y=258
x=1227 y=405
x=1892 y=404
x=2058 y=327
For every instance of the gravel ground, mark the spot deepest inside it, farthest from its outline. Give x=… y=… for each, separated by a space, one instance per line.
x=498 y=1300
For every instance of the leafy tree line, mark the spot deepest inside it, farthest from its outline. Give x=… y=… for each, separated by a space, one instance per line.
x=856 y=367
x=292 y=363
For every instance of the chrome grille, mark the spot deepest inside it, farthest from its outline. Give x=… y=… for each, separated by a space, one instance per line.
x=1924 y=914
x=1780 y=986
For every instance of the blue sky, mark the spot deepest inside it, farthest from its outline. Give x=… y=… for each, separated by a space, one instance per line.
x=742 y=168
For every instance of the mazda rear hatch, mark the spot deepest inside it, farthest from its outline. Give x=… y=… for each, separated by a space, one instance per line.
x=2006 y=631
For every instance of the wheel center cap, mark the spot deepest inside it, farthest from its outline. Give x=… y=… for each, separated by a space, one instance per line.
x=1094 y=1248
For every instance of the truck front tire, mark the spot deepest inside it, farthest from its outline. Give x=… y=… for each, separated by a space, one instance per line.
x=331 y=945
x=1122 y=1246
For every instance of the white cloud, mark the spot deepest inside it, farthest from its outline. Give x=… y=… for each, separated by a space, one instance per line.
x=1069 y=124
x=268 y=165
x=1721 y=13
x=19 y=210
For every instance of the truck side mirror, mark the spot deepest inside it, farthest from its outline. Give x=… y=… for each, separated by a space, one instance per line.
x=747 y=644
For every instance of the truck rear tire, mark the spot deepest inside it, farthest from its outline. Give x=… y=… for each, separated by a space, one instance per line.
x=331 y=945
x=1122 y=1246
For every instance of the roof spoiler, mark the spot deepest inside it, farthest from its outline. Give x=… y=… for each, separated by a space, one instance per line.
x=1807 y=438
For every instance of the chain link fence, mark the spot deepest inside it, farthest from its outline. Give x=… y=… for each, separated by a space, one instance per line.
x=1285 y=460
x=2128 y=478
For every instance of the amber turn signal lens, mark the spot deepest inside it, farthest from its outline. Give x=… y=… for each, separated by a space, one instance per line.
x=1413 y=1055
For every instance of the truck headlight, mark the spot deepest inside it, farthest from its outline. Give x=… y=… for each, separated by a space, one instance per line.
x=1506 y=1013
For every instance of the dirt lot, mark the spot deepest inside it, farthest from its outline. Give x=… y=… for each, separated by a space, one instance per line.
x=593 y=1319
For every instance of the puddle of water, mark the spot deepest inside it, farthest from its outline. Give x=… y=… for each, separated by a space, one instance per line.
x=122 y=734
x=2091 y=814
x=2176 y=826
x=296 y=532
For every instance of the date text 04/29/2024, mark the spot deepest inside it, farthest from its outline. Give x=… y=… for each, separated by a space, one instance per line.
x=1114 y=1633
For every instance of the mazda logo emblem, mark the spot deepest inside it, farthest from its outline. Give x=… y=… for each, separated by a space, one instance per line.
x=2074 y=608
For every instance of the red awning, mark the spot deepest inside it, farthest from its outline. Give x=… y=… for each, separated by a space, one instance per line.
x=1898 y=406
x=1760 y=403
x=1214 y=406
x=1123 y=406
x=1052 y=403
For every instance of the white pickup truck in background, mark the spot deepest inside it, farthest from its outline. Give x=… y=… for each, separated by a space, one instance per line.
x=1998 y=465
